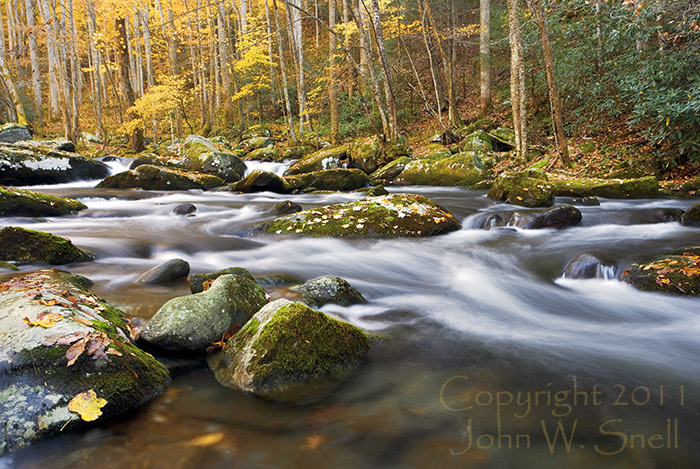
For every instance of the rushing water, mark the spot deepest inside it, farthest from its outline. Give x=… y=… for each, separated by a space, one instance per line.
x=468 y=318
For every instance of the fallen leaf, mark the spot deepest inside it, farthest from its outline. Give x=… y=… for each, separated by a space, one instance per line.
x=83 y=321
x=75 y=351
x=44 y=320
x=87 y=405
x=311 y=443
x=209 y=439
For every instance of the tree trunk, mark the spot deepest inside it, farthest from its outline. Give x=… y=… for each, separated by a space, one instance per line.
x=393 y=134
x=294 y=14
x=7 y=80
x=273 y=93
x=75 y=74
x=517 y=82
x=34 y=59
x=332 y=75
x=552 y=86
x=434 y=74
x=146 y=31
x=346 y=41
x=285 y=87
x=97 y=78
x=127 y=92
x=485 y=55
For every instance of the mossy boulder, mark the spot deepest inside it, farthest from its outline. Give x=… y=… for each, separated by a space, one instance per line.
x=371 y=153
x=12 y=132
x=25 y=203
x=256 y=131
x=192 y=323
x=7 y=267
x=327 y=180
x=502 y=139
x=254 y=143
x=326 y=158
x=201 y=155
x=640 y=188
x=691 y=217
x=29 y=246
x=520 y=189
x=437 y=152
x=264 y=154
x=478 y=142
x=395 y=215
x=296 y=152
x=676 y=274
x=260 y=181
x=60 y=144
x=287 y=346
x=285 y=207
x=389 y=171
x=323 y=290
x=197 y=282
x=462 y=169
x=29 y=164
x=157 y=178
x=47 y=318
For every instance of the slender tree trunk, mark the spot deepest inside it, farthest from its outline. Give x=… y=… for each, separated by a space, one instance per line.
x=273 y=93
x=225 y=63
x=285 y=87
x=347 y=38
x=9 y=84
x=298 y=47
x=393 y=135
x=94 y=54
x=127 y=92
x=3 y=47
x=485 y=55
x=332 y=74
x=146 y=31
x=365 y=41
x=76 y=75
x=517 y=82
x=435 y=75
x=34 y=59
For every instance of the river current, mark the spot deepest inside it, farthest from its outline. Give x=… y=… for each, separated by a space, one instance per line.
x=489 y=358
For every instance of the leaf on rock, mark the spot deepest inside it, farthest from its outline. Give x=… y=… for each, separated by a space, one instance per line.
x=75 y=351
x=83 y=321
x=311 y=443
x=44 y=320
x=87 y=405
x=208 y=439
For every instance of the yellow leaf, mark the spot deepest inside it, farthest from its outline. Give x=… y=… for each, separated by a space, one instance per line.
x=44 y=320
x=312 y=442
x=83 y=321
x=209 y=439
x=87 y=405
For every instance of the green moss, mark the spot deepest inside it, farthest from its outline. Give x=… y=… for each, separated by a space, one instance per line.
x=390 y=171
x=7 y=266
x=21 y=202
x=691 y=217
x=23 y=245
x=326 y=158
x=157 y=178
x=677 y=274
x=520 y=189
x=462 y=169
x=611 y=188
x=478 y=141
x=330 y=179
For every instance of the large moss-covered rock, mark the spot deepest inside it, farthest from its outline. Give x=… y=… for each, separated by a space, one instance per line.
x=520 y=189
x=326 y=158
x=563 y=216
x=28 y=246
x=640 y=188
x=254 y=143
x=286 y=346
x=264 y=154
x=60 y=144
x=462 y=169
x=297 y=151
x=502 y=139
x=260 y=181
x=677 y=274
x=11 y=133
x=28 y=164
x=329 y=289
x=327 y=180
x=390 y=171
x=192 y=323
x=197 y=282
x=157 y=178
x=25 y=203
x=200 y=154
x=478 y=141
x=691 y=217
x=46 y=319
x=371 y=153
x=389 y=216
x=256 y=131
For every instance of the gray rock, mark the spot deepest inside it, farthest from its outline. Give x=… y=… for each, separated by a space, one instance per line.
x=192 y=323
x=691 y=217
x=37 y=380
x=563 y=216
x=260 y=181
x=285 y=349
x=168 y=271
x=196 y=281
x=329 y=289
x=11 y=133
x=587 y=266
x=184 y=209
x=286 y=207
x=201 y=154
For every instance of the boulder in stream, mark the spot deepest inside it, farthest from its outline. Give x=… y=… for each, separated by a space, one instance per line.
x=391 y=216
x=285 y=347
x=326 y=158
x=371 y=153
x=29 y=246
x=184 y=209
x=390 y=171
x=285 y=207
x=25 y=203
x=327 y=180
x=168 y=271
x=462 y=169
x=156 y=178
x=202 y=155
x=521 y=189
x=563 y=216
x=12 y=132
x=329 y=289
x=691 y=217
x=255 y=143
x=586 y=266
x=677 y=273
x=260 y=181
x=60 y=343
x=23 y=164
x=640 y=188
x=200 y=282
x=192 y=323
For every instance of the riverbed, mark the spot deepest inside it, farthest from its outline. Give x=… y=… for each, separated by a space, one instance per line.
x=487 y=351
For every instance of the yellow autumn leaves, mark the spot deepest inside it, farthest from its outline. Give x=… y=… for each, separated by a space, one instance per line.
x=87 y=405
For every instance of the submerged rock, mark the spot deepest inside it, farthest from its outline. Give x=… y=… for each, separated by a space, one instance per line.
x=192 y=323
x=25 y=203
x=285 y=207
x=28 y=246
x=326 y=158
x=462 y=169
x=519 y=189
x=197 y=282
x=59 y=341
x=201 y=155
x=329 y=289
x=389 y=216
x=677 y=274
x=286 y=346
x=29 y=164
x=260 y=181
x=11 y=133
x=157 y=178
x=327 y=180
x=586 y=266
x=184 y=209
x=691 y=217
x=563 y=216
x=168 y=271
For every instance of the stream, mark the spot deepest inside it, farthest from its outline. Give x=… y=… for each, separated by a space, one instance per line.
x=486 y=347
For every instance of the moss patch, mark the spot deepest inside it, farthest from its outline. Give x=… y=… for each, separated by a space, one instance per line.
x=327 y=180
x=674 y=274
x=23 y=245
x=21 y=202
x=520 y=189
x=641 y=188
x=156 y=178
x=462 y=169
